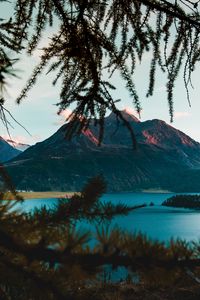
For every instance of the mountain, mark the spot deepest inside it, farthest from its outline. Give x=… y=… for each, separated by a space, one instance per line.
x=7 y=151
x=17 y=145
x=165 y=158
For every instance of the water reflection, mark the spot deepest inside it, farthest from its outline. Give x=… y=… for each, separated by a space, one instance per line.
x=156 y=221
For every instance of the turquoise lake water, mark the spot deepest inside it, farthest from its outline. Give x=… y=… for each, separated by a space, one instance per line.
x=157 y=222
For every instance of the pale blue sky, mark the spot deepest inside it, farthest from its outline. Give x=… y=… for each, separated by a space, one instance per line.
x=38 y=112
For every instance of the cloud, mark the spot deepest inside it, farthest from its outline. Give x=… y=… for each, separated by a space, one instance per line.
x=63 y=116
x=130 y=110
x=181 y=114
x=22 y=139
x=66 y=113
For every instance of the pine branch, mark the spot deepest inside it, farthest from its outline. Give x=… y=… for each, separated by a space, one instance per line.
x=172 y=10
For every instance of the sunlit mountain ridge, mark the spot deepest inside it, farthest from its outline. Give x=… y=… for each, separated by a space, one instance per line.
x=165 y=158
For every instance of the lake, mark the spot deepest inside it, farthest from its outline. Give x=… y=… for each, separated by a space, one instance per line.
x=157 y=222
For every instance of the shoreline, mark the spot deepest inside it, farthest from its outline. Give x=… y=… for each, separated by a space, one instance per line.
x=67 y=194
x=155 y=191
x=45 y=195
x=57 y=194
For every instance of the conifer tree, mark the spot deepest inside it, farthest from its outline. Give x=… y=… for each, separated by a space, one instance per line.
x=42 y=254
x=45 y=254
x=98 y=37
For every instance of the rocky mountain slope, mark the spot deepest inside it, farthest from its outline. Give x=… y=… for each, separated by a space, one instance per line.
x=17 y=145
x=7 y=151
x=165 y=158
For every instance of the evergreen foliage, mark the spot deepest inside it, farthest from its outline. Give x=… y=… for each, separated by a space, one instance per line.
x=185 y=201
x=98 y=37
x=43 y=254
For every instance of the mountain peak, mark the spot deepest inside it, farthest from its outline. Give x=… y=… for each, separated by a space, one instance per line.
x=163 y=154
x=127 y=114
x=17 y=145
x=130 y=113
x=7 y=151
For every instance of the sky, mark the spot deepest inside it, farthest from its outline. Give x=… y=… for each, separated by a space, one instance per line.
x=38 y=112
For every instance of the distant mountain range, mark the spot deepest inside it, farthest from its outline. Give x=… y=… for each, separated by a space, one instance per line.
x=10 y=149
x=7 y=151
x=17 y=145
x=165 y=158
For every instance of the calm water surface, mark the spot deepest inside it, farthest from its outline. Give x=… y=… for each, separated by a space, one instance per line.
x=156 y=222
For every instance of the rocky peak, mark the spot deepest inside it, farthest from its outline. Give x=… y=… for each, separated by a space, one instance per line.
x=7 y=151
x=17 y=145
x=126 y=114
